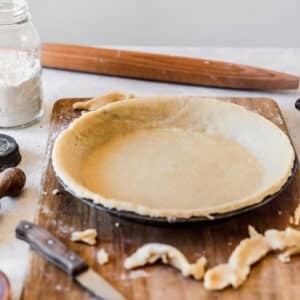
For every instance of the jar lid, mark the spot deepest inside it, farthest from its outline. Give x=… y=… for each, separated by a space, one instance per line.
x=13 y=12
x=9 y=152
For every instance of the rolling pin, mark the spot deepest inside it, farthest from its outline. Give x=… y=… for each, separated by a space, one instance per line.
x=164 y=68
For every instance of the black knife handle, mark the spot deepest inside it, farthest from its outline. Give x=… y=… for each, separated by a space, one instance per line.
x=297 y=104
x=50 y=248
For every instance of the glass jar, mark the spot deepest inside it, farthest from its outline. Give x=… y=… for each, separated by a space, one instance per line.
x=20 y=66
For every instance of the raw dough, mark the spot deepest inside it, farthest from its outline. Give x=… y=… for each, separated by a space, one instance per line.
x=285 y=256
x=248 y=252
x=288 y=239
x=296 y=218
x=150 y=253
x=280 y=240
x=87 y=236
x=100 y=101
x=163 y=156
x=102 y=257
x=192 y=154
x=236 y=271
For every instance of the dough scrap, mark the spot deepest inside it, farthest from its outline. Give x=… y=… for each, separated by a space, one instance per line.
x=102 y=257
x=152 y=252
x=236 y=271
x=87 y=236
x=297 y=216
x=280 y=240
x=250 y=251
x=100 y=101
x=288 y=239
x=285 y=256
x=233 y=273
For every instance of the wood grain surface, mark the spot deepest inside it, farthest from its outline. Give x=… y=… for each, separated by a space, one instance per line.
x=61 y=214
x=164 y=68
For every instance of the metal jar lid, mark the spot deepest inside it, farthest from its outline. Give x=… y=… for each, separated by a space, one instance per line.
x=9 y=152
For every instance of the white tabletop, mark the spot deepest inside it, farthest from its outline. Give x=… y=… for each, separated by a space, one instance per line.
x=60 y=84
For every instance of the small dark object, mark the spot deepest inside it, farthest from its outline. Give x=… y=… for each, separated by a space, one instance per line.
x=12 y=181
x=9 y=152
x=297 y=104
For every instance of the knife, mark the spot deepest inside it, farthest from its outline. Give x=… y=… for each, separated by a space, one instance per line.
x=55 y=252
x=166 y=68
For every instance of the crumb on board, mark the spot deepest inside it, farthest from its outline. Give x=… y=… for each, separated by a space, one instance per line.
x=279 y=212
x=87 y=236
x=102 y=257
x=297 y=215
x=171 y=219
x=117 y=224
x=285 y=256
x=58 y=287
x=55 y=192
x=136 y=274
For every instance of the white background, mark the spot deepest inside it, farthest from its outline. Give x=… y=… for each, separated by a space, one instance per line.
x=232 y=23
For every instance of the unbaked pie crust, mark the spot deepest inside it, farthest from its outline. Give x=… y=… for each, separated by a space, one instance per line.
x=173 y=156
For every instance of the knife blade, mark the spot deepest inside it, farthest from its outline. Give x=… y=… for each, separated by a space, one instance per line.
x=55 y=252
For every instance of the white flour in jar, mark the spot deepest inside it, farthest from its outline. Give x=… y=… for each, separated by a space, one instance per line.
x=20 y=88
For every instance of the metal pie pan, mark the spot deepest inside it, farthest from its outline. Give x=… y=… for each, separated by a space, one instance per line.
x=164 y=220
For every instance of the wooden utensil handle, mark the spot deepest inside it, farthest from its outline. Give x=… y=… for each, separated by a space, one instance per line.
x=12 y=181
x=5 y=290
x=50 y=248
x=164 y=68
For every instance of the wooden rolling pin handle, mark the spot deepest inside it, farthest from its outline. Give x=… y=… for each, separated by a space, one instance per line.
x=165 y=68
x=12 y=181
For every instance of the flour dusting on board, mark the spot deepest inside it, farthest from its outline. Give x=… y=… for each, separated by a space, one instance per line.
x=134 y=275
x=65 y=228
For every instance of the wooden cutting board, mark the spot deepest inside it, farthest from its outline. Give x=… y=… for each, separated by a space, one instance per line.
x=61 y=214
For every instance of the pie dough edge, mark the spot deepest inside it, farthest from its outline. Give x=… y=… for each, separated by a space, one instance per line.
x=78 y=191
